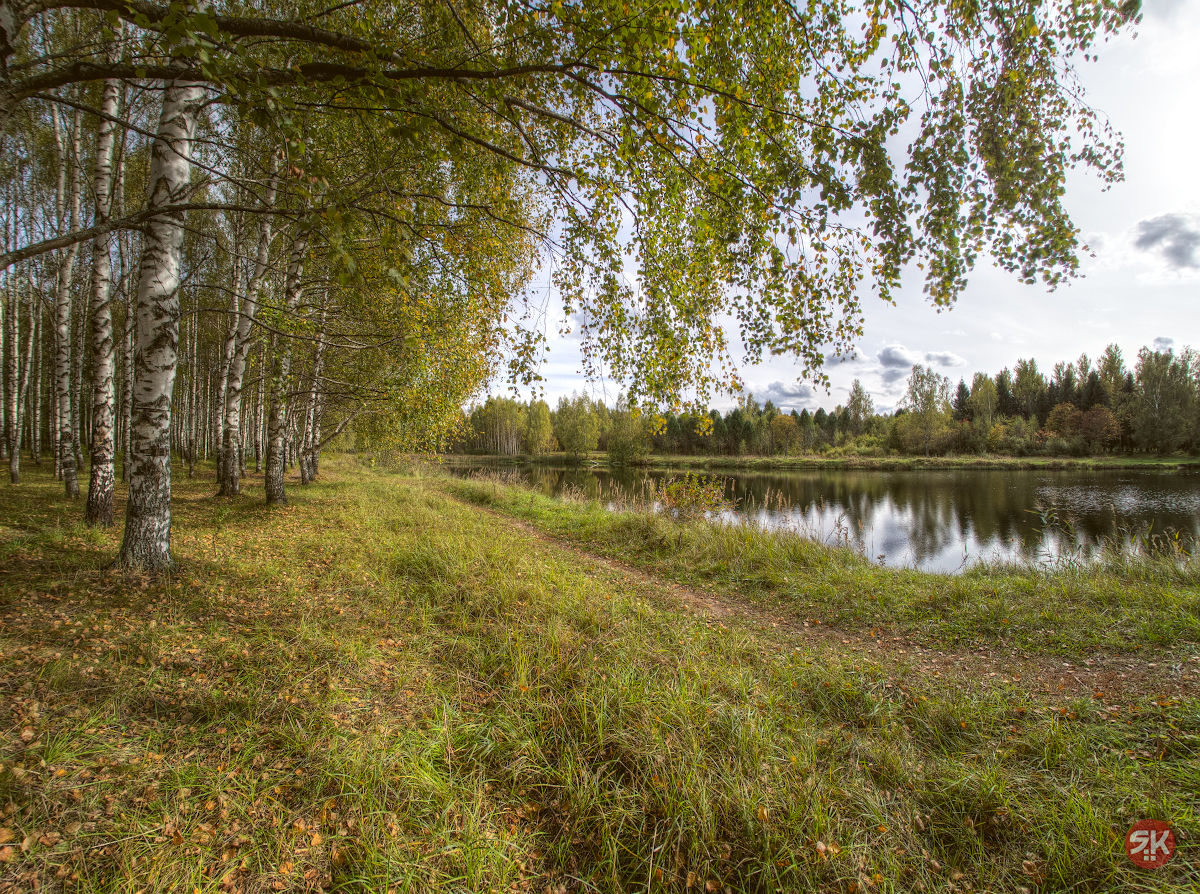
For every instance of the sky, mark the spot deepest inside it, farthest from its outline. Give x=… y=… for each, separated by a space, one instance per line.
x=1141 y=288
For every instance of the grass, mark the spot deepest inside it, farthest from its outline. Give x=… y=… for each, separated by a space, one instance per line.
x=1181 y=462
x=386 y=688
x=1117 y=606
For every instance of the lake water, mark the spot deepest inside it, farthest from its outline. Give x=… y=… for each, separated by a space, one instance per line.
x=933 y=520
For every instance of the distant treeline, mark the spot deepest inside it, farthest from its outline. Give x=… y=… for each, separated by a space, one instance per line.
x=1081 y=408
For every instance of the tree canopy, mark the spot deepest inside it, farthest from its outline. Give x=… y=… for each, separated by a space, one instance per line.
x=700 y=164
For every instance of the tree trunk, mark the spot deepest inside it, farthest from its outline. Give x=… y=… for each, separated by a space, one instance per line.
x=147 y=542
x=258 y=409
x=35 y=394
x=282 y=367
x=127 y=396
x=102 y=479
x=308 y=445
x=13 y=413
x=78 y=405
x=230 y=473
x=65 y=444
x=23 y=387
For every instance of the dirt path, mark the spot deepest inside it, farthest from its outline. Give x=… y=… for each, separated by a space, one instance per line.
x=1106 y=678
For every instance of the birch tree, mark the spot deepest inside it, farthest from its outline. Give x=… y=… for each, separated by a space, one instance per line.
x=147 y=540
x=280 y=374
x=67 y=198
x=229 y=475
x=103 y=447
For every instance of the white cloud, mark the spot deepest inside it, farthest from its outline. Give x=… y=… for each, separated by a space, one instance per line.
x=898 y=357
x=788 y=395
x=944 y=358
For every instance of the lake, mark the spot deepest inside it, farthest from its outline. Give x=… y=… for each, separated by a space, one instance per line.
x=943 y=520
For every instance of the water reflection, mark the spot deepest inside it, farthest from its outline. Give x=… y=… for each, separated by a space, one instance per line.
x=934 y=520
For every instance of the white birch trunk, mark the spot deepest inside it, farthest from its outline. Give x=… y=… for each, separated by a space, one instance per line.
x=35 y=395
x=13 y=376
x=230 y=473
x=147 y=542
x=102 y=479
x=280 y=373
x=309 y=442
x=258 y=408
x=65 y=438
x=78 y=404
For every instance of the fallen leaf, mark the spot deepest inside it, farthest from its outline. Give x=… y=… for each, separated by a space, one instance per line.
x=27 y=734
x=316 y=840
x=7 y=853
x=6 y=835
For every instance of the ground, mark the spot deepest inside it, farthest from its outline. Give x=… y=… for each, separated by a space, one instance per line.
x=404 y=682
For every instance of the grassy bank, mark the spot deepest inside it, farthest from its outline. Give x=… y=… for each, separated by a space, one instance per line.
x=385 y=687
x=1118 y=606
x=1181 y=463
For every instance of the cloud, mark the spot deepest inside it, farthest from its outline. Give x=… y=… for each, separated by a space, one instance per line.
x=894 y=375
x=944 y=358
x=783 y=394
x=997 y=336
x=1163 y=344
x=1174 y=237
x=898 y=357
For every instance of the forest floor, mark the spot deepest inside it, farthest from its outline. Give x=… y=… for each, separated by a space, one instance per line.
x=1107 y=462
x=403 y=682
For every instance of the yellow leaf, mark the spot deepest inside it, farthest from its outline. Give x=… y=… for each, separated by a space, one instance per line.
x=316 y=840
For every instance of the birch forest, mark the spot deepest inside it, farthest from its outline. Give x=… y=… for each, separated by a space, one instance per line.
x=232 y=232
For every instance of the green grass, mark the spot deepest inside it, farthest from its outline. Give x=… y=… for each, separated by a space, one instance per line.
x=1115 y=606
x=382 y=688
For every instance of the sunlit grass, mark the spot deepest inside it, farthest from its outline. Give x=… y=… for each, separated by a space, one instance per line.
x=1119 y=604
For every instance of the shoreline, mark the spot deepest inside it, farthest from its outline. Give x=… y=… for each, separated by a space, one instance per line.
x=1176 y=464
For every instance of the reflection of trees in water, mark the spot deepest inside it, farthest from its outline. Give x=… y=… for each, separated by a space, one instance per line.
x=927 y=514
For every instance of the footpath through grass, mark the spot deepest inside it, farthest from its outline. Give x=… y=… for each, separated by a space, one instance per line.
x=1147 y=608
x=383 y=688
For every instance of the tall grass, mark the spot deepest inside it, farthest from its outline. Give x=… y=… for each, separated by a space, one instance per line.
x=381 y=688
